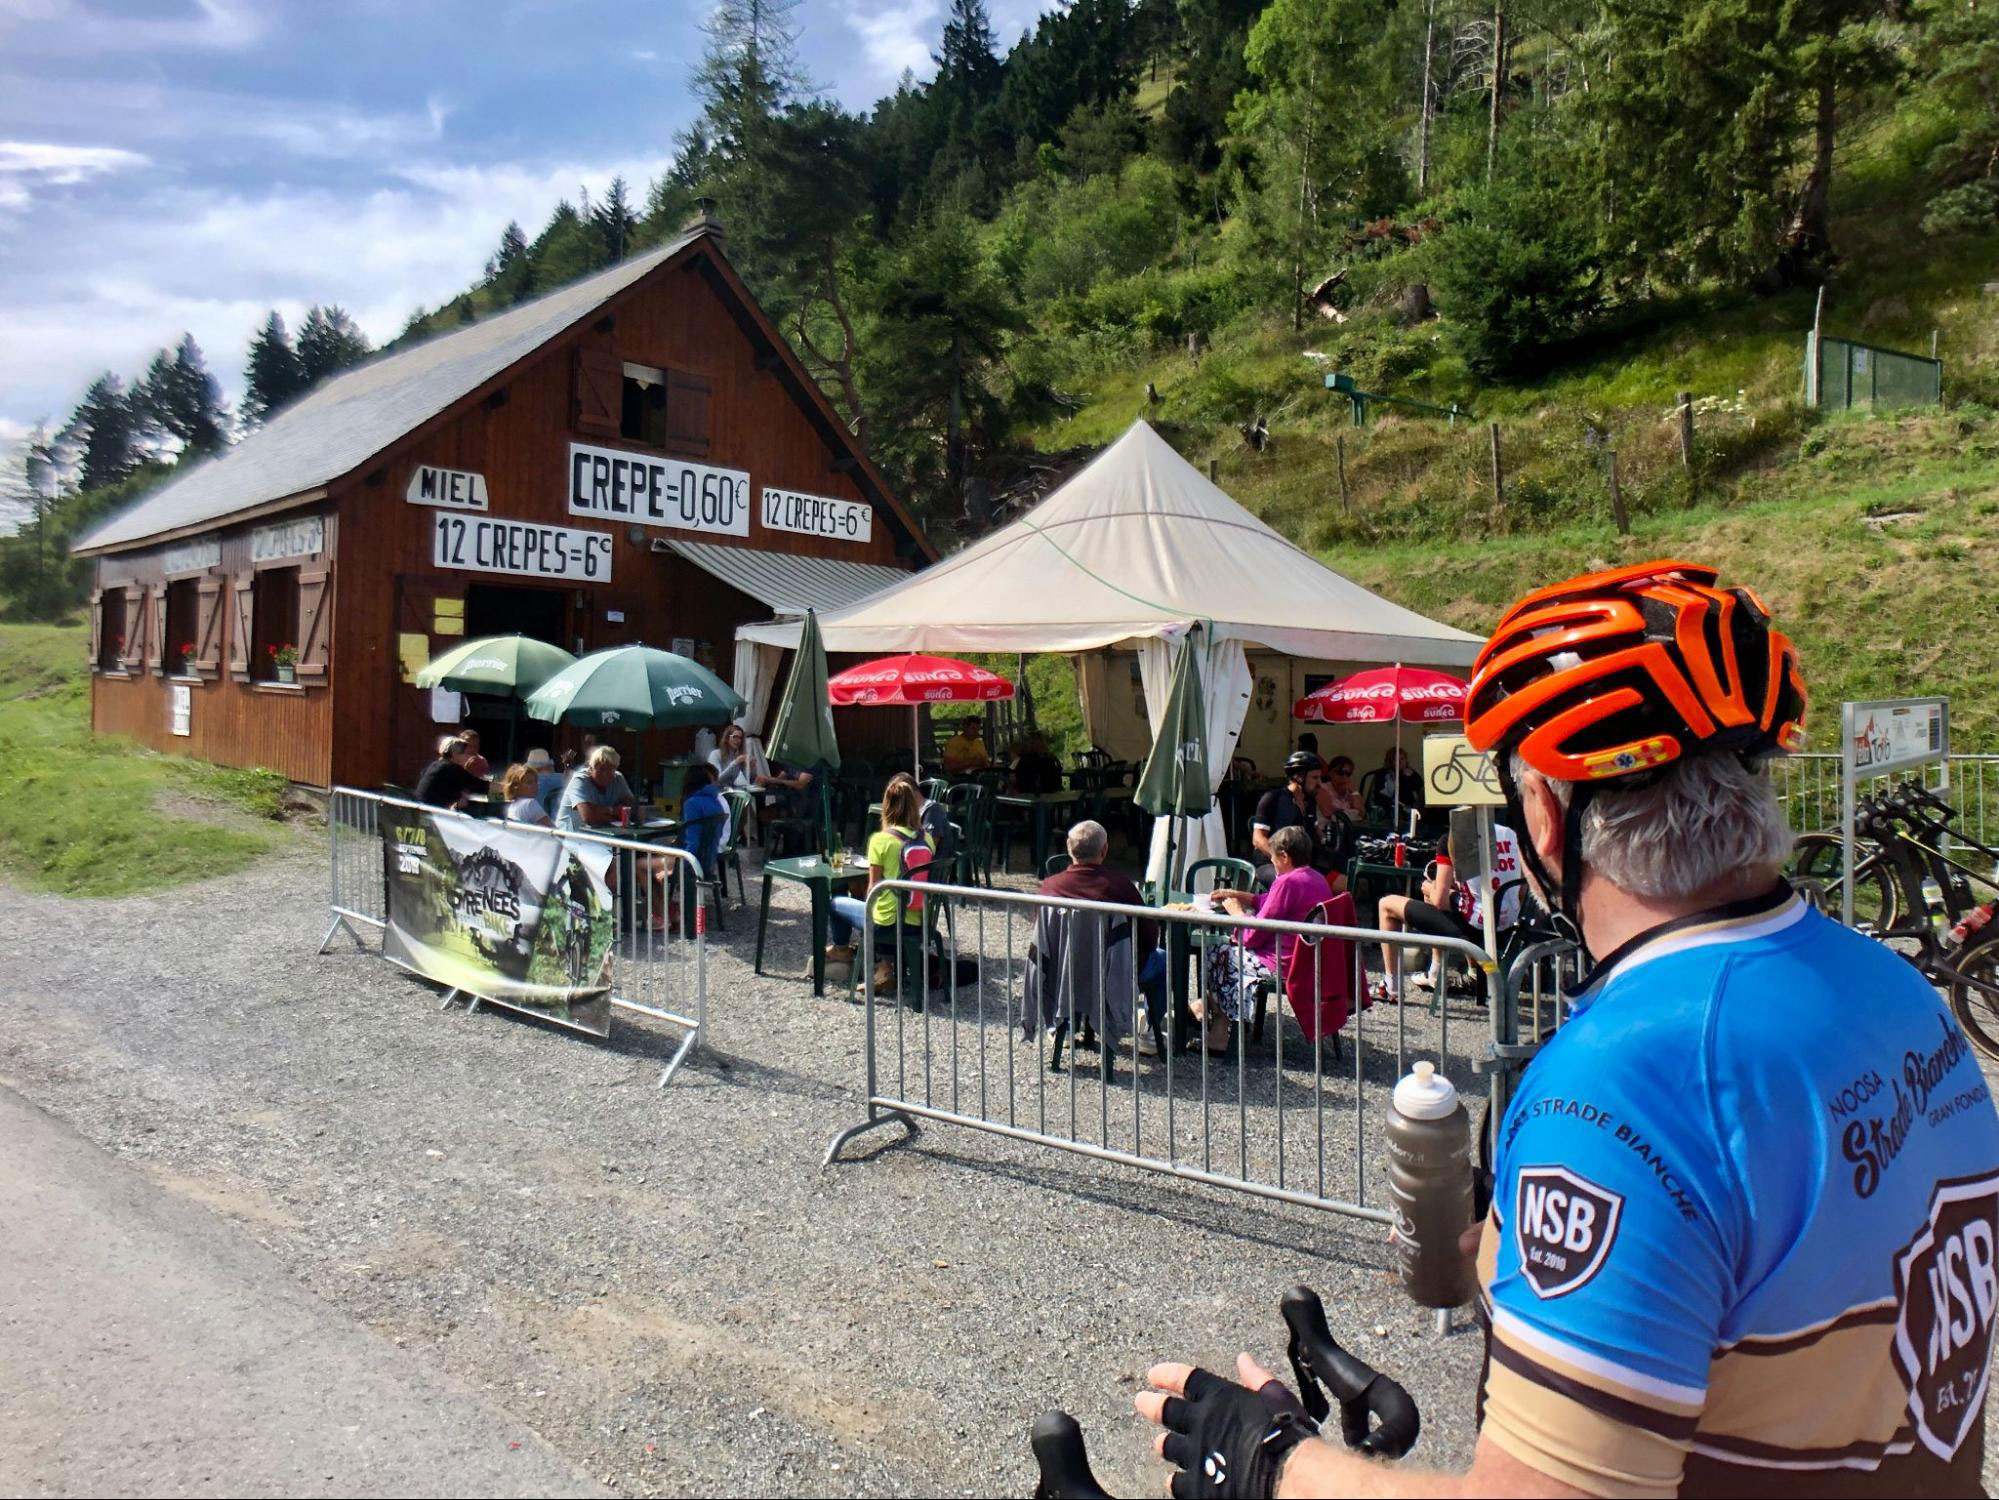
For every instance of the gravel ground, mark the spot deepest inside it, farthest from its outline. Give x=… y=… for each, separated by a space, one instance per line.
x=667 y=1285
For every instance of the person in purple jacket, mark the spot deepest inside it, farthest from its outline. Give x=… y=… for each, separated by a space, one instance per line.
x=1258 y=956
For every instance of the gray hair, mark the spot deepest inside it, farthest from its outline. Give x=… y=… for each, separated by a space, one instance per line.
x=1707 y=818
x=1088 y=842
x=452 y=745
x=1293 y=842
x=603 y=755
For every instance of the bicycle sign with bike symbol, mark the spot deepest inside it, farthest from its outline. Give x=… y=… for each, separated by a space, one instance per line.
x=1455 y=775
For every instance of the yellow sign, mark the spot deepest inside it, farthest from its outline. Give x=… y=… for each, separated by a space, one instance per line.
x=1455 y=775
x=412 y=653
x=447 y=617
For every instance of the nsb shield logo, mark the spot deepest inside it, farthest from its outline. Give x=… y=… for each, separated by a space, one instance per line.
x=1563 y=1226
x=1947 y=1285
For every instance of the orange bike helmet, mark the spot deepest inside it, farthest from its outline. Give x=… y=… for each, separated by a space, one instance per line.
x=1619 y=673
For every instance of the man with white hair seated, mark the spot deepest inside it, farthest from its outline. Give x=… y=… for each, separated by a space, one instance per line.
x=1088 y=878
x=596 y=788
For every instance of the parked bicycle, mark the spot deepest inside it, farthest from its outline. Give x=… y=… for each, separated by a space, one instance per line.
x=1899 y=861
x=1377 y=1415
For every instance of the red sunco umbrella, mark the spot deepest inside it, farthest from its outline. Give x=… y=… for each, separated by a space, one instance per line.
x=1413 y=694
x=914 y=680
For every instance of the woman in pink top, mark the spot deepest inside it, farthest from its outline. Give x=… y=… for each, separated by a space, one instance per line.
x=1235 y=969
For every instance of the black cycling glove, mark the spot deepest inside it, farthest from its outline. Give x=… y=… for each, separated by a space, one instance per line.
x=1230 y=1442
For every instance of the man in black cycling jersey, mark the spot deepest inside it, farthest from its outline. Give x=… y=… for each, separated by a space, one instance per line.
x=1744 y=1235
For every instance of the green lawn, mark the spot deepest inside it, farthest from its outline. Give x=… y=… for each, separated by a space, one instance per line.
x=83 y=813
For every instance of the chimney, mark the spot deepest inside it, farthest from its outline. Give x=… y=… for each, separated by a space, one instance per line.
x=703 y=220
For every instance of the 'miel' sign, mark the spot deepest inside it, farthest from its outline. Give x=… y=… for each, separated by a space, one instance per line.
x=673 y=494
x=453 y=489
x=817 y=515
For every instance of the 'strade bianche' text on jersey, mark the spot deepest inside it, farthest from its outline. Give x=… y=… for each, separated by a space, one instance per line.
x=1743 y=1231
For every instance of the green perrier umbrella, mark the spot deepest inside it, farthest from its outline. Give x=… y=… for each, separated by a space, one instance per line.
x=1175 y=781
x=501 y=666
x=634 y=687
x=506 y=666
x=803 y=734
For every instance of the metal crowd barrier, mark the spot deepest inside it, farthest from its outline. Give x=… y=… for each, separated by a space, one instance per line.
x=652 y=973
x=1281 y=1120
x=1808 y=787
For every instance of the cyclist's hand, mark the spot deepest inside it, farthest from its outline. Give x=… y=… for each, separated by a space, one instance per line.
x=1225 y=1439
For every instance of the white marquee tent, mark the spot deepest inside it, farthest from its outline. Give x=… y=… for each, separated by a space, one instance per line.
x=1132 y=553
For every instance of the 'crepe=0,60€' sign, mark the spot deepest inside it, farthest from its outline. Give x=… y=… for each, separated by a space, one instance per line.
x=670 y=493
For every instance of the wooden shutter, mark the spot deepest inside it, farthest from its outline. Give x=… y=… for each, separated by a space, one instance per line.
x=207 y=629
x=96 y=629
x=688 y=398
x=156 y=629
x=243 y=590
x=315 y=624
x=136 y=615
x=600 y=392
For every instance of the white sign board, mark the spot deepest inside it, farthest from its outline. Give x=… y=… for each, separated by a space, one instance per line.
x=817 y=515
x=453 y=489
x=180 y=706
x=195 y=556
x=1892 y=736
x=673 y=494
x=1455 y=775
x=480 y=544
x=301 y=538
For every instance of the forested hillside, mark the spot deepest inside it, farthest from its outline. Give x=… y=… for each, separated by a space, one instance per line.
x=1557 y=214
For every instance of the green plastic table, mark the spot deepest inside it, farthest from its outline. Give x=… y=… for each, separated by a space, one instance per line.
x=818 y=876
x=1040 y=807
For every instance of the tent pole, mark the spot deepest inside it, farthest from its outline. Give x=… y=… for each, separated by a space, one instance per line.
x=1396 y=773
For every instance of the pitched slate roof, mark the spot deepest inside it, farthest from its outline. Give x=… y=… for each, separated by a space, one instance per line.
x=341 y=424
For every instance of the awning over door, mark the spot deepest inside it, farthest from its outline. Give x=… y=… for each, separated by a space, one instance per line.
x=790 y=585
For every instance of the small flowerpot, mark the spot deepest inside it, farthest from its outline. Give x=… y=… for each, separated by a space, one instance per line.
x=287 y=674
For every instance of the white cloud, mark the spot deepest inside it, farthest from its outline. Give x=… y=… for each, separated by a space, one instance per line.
x=213 y=263
x=27 y=165
x=63 y=28
x=894 y=36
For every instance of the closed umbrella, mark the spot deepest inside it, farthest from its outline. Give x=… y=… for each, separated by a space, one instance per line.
x=634 y=687
x=916 y=679
x=1175 y=781
x=1415 y=695
x=803 y=734
x=503 y=666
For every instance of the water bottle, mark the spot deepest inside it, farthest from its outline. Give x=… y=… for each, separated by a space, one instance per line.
x=1430 y=1187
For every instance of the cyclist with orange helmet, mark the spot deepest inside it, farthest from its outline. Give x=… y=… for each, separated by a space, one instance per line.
x=1744 y=1236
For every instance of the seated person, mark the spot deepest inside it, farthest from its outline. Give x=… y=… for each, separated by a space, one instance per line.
x=1396 y=781
x=547 y=780
x=1235 y=969
x=1294 y=805
x=477 y=764
x=448 y=781
x=518 y=786
x=1309 y=743
x=704 y=816
x=595 y=791
x=1338 y=796
x=889 y=853
x=1034 y=769
x=1088 y=878
x=1450 y=908
x=965 y=751
x=735 y=763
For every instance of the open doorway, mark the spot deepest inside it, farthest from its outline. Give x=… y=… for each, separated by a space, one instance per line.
x=505 y=731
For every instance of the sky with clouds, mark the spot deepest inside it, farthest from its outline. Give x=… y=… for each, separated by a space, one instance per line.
x=185 y=165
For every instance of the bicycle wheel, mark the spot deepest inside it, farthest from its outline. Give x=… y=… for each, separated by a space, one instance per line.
x=1974 y=999
x=1818 y=870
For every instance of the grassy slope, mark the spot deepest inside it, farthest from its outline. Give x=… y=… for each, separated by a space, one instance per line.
x=81 y=815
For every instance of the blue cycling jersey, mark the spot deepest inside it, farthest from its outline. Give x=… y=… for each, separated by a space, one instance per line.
x=1744 y=1223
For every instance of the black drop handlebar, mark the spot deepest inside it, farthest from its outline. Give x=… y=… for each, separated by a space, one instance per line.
x=1376 y=1415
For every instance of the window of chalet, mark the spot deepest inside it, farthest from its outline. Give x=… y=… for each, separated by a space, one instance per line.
x=644 y=416
x=275 y=621
x=111 y=630
x=180 y=647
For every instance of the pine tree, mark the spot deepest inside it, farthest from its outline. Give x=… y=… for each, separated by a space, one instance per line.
x=105 y=431
x=182 y=401
x=328 y=342
x=510 y=273
x=566 y=248
x=748 y=70
x=273 y=376
x=614 y=222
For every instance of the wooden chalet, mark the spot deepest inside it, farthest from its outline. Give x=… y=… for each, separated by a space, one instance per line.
x=639 y=456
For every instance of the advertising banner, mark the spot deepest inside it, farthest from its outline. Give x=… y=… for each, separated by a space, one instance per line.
x=516 y=918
